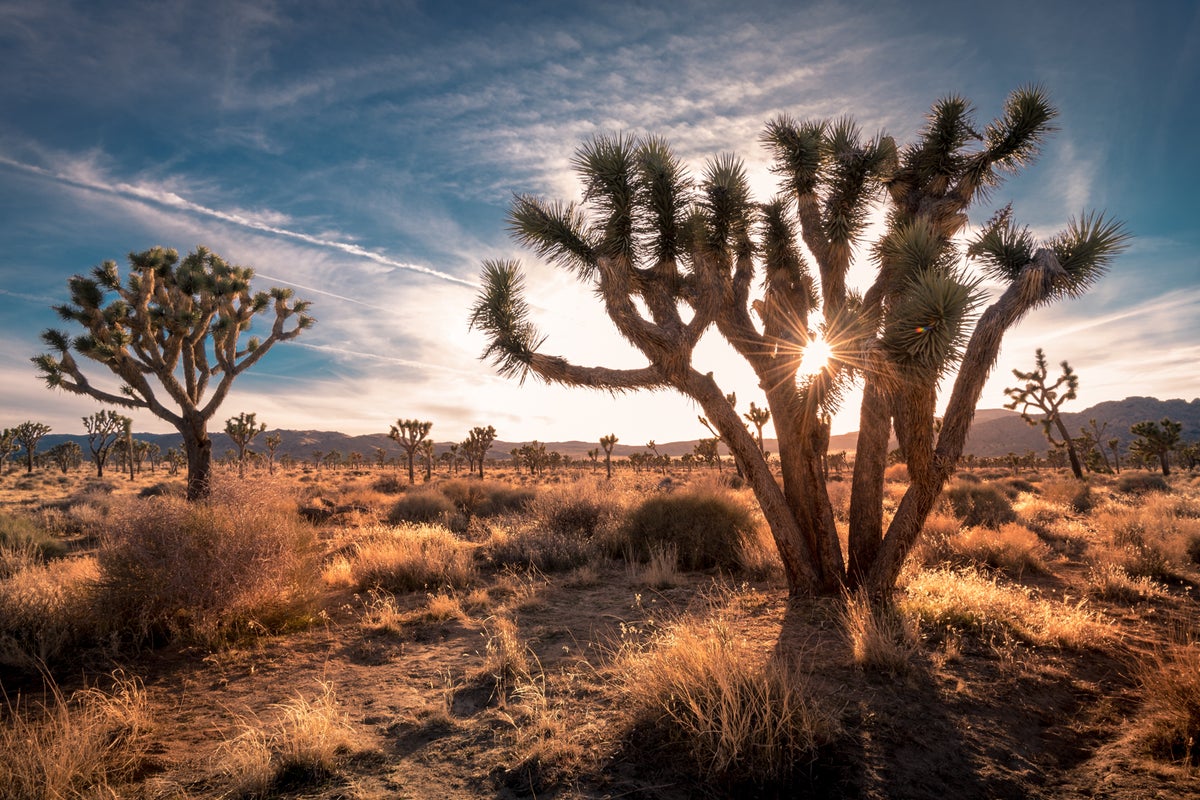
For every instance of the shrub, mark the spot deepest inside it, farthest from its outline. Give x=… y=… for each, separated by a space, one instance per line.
x=389 y=484
x=412 y=557
x=474 y=498
x=1142 y=483
x=1016 y=486
x=896 y=473
x=880 y=639
x=708 y=526
x=20 y=533
x=737 y=714
x=546 y=549
x=1171 y=727
x=580 y=509
x=47 y=610
x=1073 y=495
x=1012 y=548
x=421 y=507
x=74 y=747
x=981 y=504
x=241 y=561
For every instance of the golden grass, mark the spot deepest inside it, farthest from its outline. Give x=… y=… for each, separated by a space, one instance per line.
x=409 y=558
x=661 y=570
x=880 y=639
x=970 y=600
x=736 y=712
x=1111 y=581
x=506 y=656
x=1170 y=722
x=47 y=610
x=84 y=745
x=304 y=745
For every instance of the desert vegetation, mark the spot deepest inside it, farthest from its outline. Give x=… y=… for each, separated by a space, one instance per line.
x=564 y=634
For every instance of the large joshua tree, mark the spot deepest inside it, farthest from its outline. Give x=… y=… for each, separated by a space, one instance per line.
x=170 y=333
x=672 y=257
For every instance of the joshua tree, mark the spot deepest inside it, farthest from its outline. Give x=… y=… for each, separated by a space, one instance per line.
x=709 y=452
x=67 y=455
x=272 y=442
x=8 y=446
x=671 y=257
x=1048 y=400
x=1157 y=439
x=103 y=428
x=426 y=450
x=452 y=462
x=477 y=444
x=594 y=456
x=1115 y=446
x=243 y=429
x=607 y=442
x=171 y=329
x=758 y=417
x=408 y=433
x=26 y=436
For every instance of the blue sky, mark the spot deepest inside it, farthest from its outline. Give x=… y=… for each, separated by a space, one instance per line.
x=365 y=153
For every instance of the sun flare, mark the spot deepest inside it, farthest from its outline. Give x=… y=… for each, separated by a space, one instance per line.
x=816 y=357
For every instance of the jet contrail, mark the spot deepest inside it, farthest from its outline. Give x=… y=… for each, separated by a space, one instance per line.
x=172 y=200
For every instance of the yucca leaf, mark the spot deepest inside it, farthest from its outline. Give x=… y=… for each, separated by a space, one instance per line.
x=502 y=314
x=555 y=231
x=926 y=328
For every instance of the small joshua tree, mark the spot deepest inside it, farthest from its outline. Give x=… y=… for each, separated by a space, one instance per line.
x=171 y=333
x=103 y=429
x=607 y=442
x=66 y=455
x=8 y=446
x=758 y=417
x=272 y=442
x=1048 y=400
x=408 y=433
x=426 y=451
x=243 y=429
x=1157 y=440
x=26 y=436
x=672 y=257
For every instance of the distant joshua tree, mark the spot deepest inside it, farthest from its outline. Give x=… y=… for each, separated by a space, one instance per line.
x=408 y=433
x=477 y=444
x=175 y=324
x=1157 y=440
x=66 y=455
x=1114 y=445
x=594 y=456
x=758 y=417
x=243 y=429
x=426 y=451
x=8 y=446
x=103 y=428
x=27 y=435
x=1047 y=399
x=272 y=442
x=607 y=442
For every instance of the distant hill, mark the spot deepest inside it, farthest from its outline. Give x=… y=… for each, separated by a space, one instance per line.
x=995 y=432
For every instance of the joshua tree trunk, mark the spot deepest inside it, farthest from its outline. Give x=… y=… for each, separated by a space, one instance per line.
x=198 y=447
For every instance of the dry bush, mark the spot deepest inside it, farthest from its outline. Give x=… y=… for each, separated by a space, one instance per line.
x=81 y=746
x=1142 y=483
x=737 y=714
x=881 y=640
x=22 y=533
x=579 y=509
x=1150 y=539
x=709 y=525
x=48 y=610
x=304 y=745
x=544 y=548
x=1170 y=725
x=1013 y=549
x=476 y=498
x=422 y=506
x=242 y=561
x=411 y=557
x=1075 y=496
x=980 y=504
x=1111 y=581
x=896 y=473
x=970 y=600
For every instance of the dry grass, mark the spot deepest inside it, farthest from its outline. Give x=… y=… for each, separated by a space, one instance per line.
x=880 y=639
x=549 y=549
x=86 y=745
x=48 y=610
x=506 y=657
x=241 y=562
x=661 y=570
x=709 y=524
x=736 y=713
x=303 y=745
x=970 y=600
x=1170 y=724
x=1109 y=581
x=409 y=558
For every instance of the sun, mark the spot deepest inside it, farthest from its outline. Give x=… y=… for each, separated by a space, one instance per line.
x=816 y=356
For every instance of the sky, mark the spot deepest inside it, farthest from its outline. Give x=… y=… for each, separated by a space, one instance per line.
x=364 y=154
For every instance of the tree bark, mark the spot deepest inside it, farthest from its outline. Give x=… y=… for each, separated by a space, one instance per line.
x=866 y=493
x=1076 y=467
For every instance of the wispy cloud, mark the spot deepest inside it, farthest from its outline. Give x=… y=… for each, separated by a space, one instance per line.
x=170 y=199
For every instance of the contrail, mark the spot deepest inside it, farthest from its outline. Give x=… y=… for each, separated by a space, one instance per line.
x=322 y=291
x=172 y=200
